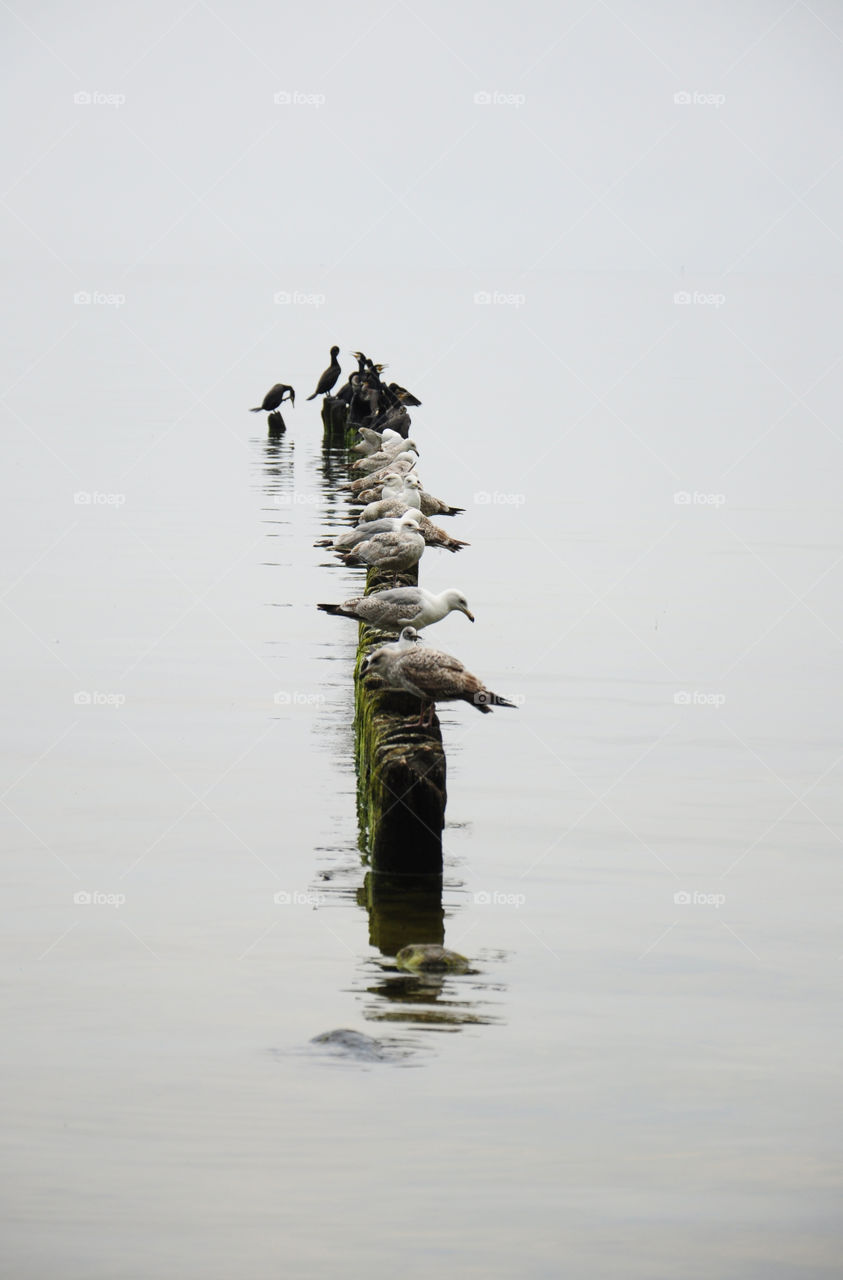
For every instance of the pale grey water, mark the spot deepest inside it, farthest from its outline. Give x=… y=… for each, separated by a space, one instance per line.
x=626 y=1084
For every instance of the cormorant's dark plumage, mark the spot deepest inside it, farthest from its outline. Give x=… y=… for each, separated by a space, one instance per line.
x=274 y=397
x=329 y=377
x=401 y=394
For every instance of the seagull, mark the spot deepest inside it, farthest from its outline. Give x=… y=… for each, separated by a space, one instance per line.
x=431 y=676
x=380 y=490
x=275 y=397
x=392 y=552
x=399 y=467
x=396 y=497
x=329 y=377
x=432 y=534
x=361 y=533
x=384 y=456
x=436 y=507
x=401 y=606
x=370 y=441
x=408 y=637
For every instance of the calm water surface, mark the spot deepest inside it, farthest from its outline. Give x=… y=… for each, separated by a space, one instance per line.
x=629 y=1082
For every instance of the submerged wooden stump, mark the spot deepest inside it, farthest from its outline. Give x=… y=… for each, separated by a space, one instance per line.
x=334 y=420
x=400 y=765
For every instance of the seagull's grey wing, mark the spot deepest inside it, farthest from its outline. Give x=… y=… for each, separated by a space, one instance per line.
x=435 y=674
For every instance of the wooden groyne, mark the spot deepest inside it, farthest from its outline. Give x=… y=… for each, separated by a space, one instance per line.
x=401 y=773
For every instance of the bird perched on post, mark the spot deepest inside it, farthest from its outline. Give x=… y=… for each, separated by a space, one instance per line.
x=275 y=397
x=399 y=607
x=329 y=377
x=402 y=394
x=431 y=676
x=393 y=552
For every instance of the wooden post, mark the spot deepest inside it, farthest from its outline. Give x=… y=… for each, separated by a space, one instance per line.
x=401 y=771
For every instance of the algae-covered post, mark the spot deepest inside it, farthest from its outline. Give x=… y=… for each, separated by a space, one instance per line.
x=400 y=764
x=334 y=421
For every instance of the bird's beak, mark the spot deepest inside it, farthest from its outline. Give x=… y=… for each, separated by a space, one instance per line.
x=469 y=614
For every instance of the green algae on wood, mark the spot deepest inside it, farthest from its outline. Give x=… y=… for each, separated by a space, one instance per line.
x=400 y=765
x=400 y=768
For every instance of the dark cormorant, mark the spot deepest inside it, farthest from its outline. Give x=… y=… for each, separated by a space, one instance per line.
x=329 y=377
x=274 y=397
x=402 y=394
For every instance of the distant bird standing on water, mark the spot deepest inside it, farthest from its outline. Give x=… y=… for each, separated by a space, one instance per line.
x=274 y=397
x=329 y=377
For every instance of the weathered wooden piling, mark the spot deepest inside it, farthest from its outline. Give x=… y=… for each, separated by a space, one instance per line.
x=400 y=764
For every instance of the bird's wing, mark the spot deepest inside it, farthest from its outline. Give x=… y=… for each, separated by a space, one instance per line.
x=436 y=674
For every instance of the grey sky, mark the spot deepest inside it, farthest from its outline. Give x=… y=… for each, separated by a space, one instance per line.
x=597 y=166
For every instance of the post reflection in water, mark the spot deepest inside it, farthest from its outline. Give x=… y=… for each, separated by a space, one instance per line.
x=403 y=910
